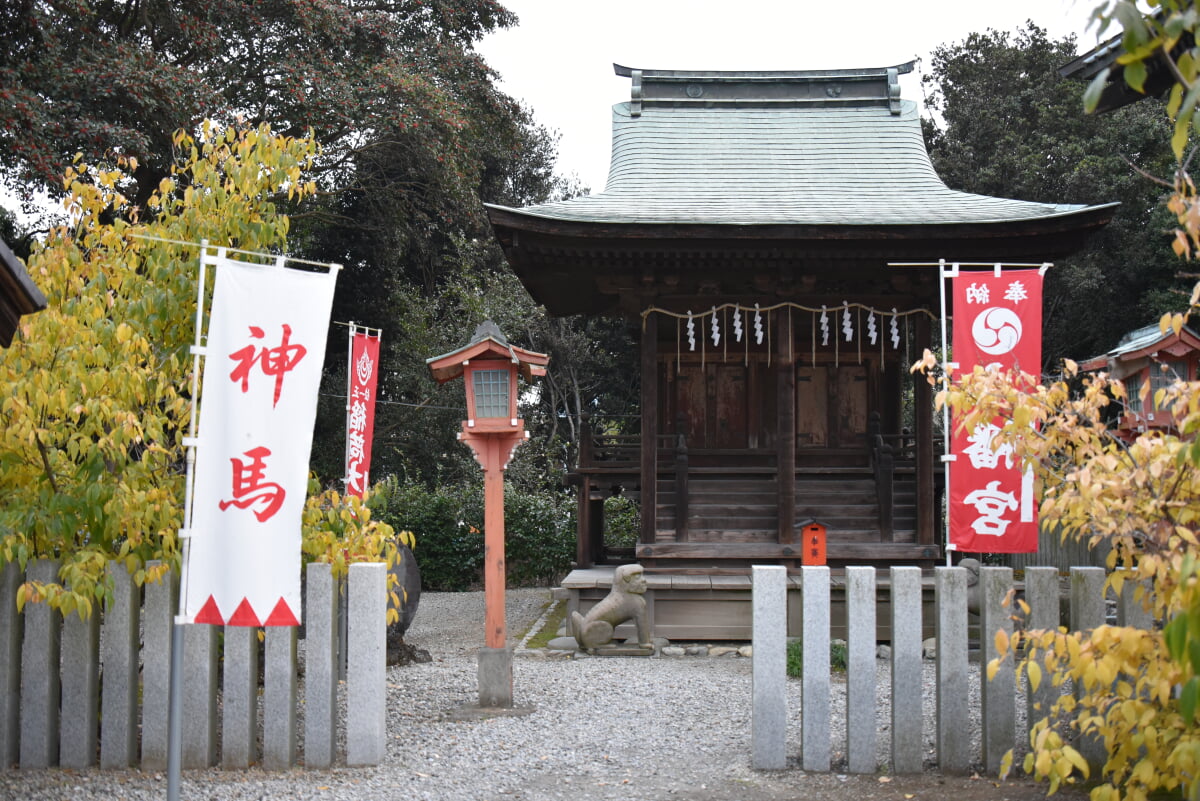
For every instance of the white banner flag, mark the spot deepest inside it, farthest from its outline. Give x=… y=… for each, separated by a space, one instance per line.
x=266 y=343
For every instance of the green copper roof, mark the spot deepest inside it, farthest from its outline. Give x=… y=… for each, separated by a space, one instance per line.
x=689 y=149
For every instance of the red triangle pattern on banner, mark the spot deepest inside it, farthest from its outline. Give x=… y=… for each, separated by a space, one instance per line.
x=209 y=613
x=243 y=615
x=282 y=615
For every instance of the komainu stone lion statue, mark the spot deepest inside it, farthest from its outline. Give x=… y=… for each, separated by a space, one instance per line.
x=623 y=602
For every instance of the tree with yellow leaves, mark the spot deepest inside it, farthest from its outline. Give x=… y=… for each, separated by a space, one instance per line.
x=94 y=393
x=1142 y=498
x=1136 y=692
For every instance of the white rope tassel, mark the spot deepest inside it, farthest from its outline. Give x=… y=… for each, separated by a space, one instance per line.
x=895 y=328
x=691 y=331
x=824 y=326
x=847 y=322
x=716 y=328
x=872 y=331
x=737 y=323
x=758 y=326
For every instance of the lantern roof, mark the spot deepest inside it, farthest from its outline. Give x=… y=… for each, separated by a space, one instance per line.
x=487 y=343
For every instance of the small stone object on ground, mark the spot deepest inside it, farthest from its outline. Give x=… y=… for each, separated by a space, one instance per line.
x=401 y=653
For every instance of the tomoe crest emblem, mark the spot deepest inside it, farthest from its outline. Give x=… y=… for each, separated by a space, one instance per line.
x=364 y=367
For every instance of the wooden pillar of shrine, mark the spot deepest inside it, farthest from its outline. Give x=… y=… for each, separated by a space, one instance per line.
x=786 y=440
x=649 y=465
x=923 y=406
x=585 y=526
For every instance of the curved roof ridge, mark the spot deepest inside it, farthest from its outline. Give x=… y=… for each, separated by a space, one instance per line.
x=790 y=165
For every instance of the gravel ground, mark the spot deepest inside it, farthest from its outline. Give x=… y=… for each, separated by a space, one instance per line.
x=591 y=728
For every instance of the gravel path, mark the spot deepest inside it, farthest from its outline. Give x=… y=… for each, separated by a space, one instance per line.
x=592 y=728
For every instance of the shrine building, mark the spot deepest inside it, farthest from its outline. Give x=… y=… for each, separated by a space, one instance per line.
x=752 y=231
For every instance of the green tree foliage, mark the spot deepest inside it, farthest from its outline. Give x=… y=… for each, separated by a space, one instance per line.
x=539 y=532
x=417 y=420
x=1008 y=125
x=412 y=129
x=122 y=77
x=414 y=135
x=95 y=388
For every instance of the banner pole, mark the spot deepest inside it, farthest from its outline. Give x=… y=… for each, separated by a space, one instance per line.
x=349 y=393
x=946 y=432
x=175 y=681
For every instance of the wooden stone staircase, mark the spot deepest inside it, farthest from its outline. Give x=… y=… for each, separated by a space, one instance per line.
x=742 y=508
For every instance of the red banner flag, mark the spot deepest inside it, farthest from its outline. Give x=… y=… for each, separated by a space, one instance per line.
x=360 y=409
x=998 y=325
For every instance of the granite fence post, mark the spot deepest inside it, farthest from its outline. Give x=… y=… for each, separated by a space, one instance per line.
x=1042 y=596
x=279 y=699
x=320 y=668
x=239 y=693
x=11 y=633
x=80 y=720
x=998 y=696
x=119 y=697
x=1088 y=611
x=39 y=674
x=158 y=616
x=950 y=594
x=814 y=683
x=768 y=722
x=861 y=687
x=907 y=682
x=366 y=664
x=1131 y=604
x=199 y=696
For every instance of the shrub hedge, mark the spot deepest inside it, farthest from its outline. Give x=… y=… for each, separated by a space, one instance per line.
x=539 y=533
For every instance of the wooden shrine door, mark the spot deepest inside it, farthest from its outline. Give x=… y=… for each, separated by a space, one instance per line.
x=721 y=404
x=832 y=407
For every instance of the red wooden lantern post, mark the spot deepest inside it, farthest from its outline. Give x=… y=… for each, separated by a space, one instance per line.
x=489 y=367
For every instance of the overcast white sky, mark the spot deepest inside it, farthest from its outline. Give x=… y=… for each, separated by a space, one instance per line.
x=559 y=58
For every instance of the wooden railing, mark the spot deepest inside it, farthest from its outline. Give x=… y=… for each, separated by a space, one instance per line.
x=887 y=453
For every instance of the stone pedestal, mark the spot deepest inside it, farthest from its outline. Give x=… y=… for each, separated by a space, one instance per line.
x=495 y=677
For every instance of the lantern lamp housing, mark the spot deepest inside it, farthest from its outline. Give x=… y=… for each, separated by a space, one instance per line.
x=491 y=387
x=489 y=367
